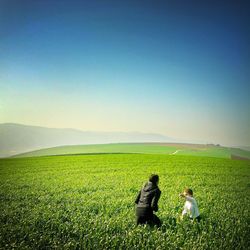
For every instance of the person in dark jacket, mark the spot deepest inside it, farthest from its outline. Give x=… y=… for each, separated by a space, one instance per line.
x=147 y=202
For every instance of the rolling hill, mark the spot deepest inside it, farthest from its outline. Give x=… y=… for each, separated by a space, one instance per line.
x=144 y=148
x=25 y=141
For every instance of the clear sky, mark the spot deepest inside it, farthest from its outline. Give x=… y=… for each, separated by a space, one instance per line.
x=178 y=68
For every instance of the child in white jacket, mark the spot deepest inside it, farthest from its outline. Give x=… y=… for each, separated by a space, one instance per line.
x=190 y=207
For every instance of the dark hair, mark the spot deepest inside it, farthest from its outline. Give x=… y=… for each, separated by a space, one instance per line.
x=154 y=178
x=188 y=191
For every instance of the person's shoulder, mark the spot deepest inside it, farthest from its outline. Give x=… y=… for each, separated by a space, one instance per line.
x=190 y=198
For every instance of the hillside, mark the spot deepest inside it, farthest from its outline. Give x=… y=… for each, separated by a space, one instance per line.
x=25 y=141
x=143 y=148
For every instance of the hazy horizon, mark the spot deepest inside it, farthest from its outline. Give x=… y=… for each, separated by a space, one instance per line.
x=168 y=139
x=179 y=69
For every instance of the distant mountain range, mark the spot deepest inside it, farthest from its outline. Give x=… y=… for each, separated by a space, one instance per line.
x=17 y=138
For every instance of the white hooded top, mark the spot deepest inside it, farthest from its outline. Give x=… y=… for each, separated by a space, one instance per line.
x=191 y=207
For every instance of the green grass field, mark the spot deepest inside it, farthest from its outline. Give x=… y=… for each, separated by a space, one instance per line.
x=143 y=148
x=87 y=202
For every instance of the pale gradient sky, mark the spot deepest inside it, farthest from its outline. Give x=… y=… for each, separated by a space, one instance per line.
x=180 y=69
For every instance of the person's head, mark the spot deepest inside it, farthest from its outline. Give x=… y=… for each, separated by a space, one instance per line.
x=188 y=191
x=154 y=178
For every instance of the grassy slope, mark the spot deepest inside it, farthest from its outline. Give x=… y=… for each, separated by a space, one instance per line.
x=210 y=151
x=219 y=152
x=240 y=152
x=104 y=148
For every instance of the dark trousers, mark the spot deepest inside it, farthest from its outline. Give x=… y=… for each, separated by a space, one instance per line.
x=198 y=218
x=145 y=215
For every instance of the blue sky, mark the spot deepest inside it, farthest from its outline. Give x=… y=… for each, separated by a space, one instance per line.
x=179 y=68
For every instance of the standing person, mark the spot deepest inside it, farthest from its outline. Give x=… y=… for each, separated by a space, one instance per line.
x=147 y=202
x=190 y=207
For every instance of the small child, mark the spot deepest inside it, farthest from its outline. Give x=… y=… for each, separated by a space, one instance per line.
x=190 y=207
